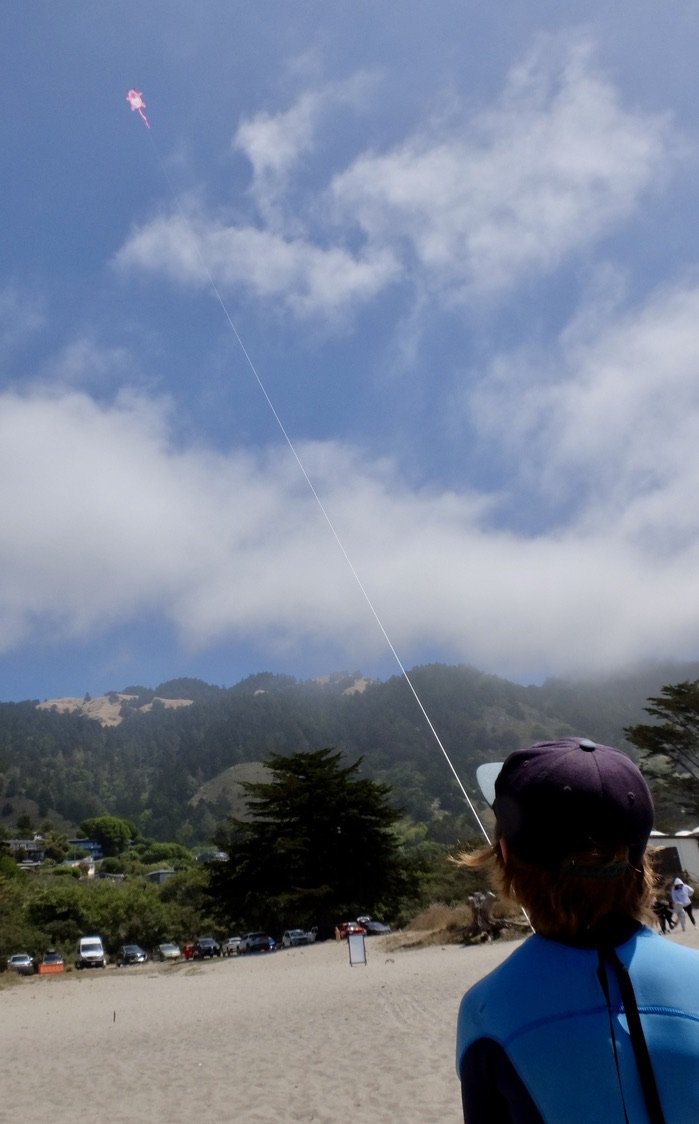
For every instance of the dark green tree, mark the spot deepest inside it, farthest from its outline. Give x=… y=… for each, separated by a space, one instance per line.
x=669 y=749
x=129 y=911
x=676 y=734
x=17 y=933
x=319 y=846
x=151 y=853
x=112 y=834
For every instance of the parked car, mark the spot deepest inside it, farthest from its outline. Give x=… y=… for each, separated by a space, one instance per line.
x=131 y=954
x=51 y=963
x=89 y=953
x=294 y=937
x=206 y=947
x=373 y=928
x=231 y=946
x=168 y=951
x=257 y=942
x=51 y=956
x=22 y=963
x=347 y=928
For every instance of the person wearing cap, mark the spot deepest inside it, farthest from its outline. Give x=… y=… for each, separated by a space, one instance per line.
x=681 y=895
x=594 y=1018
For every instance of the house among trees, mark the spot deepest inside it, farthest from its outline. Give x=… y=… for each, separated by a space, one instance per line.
x=159 y=876
x=85 y=866
x=27 y=850
x=93 y=848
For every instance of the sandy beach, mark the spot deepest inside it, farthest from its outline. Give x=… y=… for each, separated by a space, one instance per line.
x=296 y=1035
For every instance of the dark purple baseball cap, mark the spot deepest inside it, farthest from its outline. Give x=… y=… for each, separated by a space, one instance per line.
x=558 y=798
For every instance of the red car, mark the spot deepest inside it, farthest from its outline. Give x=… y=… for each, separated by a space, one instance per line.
x=346 y=928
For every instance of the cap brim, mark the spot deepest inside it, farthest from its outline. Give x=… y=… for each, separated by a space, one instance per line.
x=486 y=775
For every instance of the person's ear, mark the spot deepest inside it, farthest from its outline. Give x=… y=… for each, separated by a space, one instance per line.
x=504 y=850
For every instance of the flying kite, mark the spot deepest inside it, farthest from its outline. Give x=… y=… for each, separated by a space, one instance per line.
x=135 y=100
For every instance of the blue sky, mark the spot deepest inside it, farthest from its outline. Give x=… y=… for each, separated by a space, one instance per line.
x=458 y=244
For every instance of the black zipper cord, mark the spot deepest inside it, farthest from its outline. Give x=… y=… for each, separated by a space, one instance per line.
x=604 y=983
x=638 y=1039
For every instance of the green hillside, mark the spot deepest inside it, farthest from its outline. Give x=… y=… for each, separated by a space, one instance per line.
x=174 y=770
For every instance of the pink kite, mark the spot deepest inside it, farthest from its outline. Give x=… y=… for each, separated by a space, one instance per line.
x=136 y=101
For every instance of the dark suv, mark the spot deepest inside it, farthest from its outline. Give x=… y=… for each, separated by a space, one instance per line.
x=206 y=946
x=131 y=954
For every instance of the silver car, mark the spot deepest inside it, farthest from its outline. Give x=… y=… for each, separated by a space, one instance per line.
x=168 y=951
x=22 y=963
x=294 y=937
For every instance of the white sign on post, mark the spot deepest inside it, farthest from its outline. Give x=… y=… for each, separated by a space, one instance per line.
x=357 y=949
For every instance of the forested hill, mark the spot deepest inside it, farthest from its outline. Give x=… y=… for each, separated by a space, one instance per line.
x=171 y=768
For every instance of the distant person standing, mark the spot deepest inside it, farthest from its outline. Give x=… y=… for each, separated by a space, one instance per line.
x=681 y=895
x=664 y=913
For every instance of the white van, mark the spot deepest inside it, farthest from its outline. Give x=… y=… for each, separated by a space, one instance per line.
x=90 y=953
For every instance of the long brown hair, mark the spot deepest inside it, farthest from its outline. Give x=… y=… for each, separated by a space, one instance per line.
x=571 y=900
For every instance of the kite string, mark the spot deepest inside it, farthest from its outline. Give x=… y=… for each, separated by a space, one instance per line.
x=231 y=323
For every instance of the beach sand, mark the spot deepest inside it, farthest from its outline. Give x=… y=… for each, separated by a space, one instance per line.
x=296 y=1035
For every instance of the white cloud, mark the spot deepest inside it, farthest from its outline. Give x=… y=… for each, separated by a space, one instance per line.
x=309 y=279
x=108 y=520
x=275 y=144
x=549 y=169
x=609 y=426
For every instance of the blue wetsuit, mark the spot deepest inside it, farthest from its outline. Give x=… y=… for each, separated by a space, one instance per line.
x=545 y=1037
